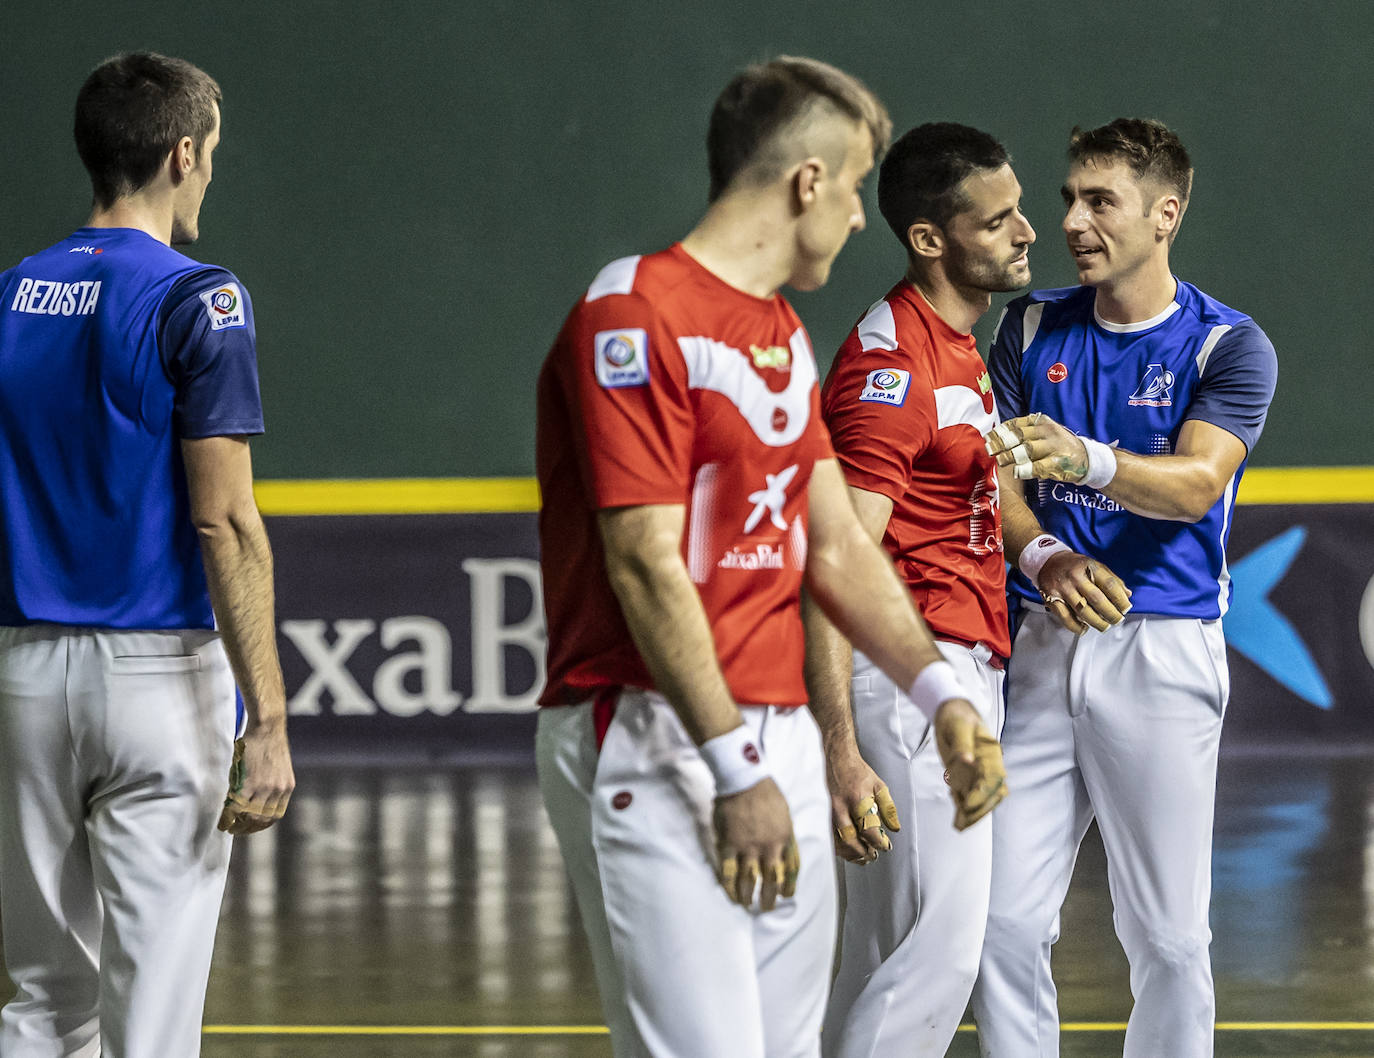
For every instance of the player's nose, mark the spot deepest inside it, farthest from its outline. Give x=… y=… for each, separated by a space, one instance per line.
x=1076 y=217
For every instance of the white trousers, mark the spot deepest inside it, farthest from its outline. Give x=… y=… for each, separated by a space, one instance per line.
x=114 y=758
x=683 y=972
x=914 y=918
x=1123 y=725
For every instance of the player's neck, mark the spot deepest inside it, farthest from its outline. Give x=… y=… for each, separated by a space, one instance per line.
x=142 y=212
x=1138 y=297
x=960 y=307
x=739 y=242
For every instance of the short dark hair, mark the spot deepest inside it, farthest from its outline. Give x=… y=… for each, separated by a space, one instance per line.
x=1150 y=148
x=771 y=98
x=920 y=177
x=130 y=113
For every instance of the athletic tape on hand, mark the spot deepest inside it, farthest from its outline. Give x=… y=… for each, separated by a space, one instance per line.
x=1006 y=435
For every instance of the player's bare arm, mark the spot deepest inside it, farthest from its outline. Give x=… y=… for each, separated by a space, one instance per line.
x=668 y=624
x=1182 y=486
x=1079 y=591
x=860 y=803
x=852 y=580
x=238 y=568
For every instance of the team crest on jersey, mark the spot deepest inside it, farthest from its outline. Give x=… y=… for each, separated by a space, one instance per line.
x=622 y=358
x=224 y=307
x=887 y=386
x=1154 y=389
x=775 y=356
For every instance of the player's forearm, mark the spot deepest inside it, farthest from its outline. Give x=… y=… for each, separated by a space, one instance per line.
x=669 y=627
x=829 y=667
x=1169 y=487
x=853 y=582
x=1019 y=524
x=238 y=568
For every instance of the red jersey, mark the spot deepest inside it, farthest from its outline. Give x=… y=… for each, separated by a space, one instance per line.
x=908 y=402
x=669 y=386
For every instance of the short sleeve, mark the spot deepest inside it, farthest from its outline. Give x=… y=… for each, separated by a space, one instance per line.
x=1004 y=362
x=880 y=411
x=1237 y=384
x=629 y=402
x=209 y=349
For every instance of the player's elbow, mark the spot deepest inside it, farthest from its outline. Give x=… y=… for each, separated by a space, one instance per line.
x=226 y=522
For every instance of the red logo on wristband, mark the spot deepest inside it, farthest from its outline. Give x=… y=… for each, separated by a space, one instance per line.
x=1057 y=372
x=1046 y=541
x=750 y=753
x=622 y=800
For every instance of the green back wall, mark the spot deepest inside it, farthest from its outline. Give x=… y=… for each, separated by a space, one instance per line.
x=416 y=193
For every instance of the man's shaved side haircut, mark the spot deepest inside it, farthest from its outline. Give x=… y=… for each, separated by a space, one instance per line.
x=920 y=177
x=759 y=114
x=130 y=113
x=1151 y=149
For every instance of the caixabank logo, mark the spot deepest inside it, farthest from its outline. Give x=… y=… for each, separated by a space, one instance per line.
x=1301 y=623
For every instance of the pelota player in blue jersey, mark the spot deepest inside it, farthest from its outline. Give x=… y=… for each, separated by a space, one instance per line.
x=1132 y=403
x=135 y=589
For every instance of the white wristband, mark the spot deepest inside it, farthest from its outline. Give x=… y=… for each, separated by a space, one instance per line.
x=1039 y=551
x=934 y=685
x=735 y=760
x=1101 y=463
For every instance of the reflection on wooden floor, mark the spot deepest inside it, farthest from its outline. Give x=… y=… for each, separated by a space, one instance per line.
x=433 y=899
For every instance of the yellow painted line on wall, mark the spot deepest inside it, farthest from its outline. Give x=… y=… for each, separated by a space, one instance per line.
x=518 y=495
x=398 y=496
x=601 y=1030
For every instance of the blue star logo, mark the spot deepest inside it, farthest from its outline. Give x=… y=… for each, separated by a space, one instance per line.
x=1258 y=631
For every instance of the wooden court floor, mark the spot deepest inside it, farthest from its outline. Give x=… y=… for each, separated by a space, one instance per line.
x=418 y=910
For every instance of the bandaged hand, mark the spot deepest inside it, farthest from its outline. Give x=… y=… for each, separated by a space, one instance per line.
x=973 y=762
x=1035 y=446
x=260 y=782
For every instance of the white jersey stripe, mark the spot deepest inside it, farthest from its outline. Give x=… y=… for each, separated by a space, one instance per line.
x=1211 y=343
x=962 y=406
x=1228 y=497
x=725 y=370
x=878 y=330
x=618 y=277
x=700 y=547
x=1030 y=323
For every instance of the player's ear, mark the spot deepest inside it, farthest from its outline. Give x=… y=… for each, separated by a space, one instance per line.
x=925 y=240
x=806 y=180
x=182 y=159
x=1170 y=212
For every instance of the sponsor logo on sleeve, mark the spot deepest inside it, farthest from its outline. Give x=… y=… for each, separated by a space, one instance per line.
x=887 y=386
x=622 y=358
x=224 y=307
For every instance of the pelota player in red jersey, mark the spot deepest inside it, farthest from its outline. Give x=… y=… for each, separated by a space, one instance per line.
x=908 y=401
x=689 y=490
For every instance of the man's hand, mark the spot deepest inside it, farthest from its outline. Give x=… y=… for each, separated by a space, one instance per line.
x=1035 y=446
x=860 y=806
x=754 y=840
x=973 y=762
x=260 y=781
x=1082 y=593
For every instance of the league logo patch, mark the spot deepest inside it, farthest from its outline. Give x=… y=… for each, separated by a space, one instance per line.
x=224 y=307
x=1154 y=388
x=887 y=386
x=622 y=358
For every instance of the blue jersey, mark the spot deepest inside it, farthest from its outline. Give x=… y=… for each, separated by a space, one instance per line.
x=113 y=347
x=1134 y=386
